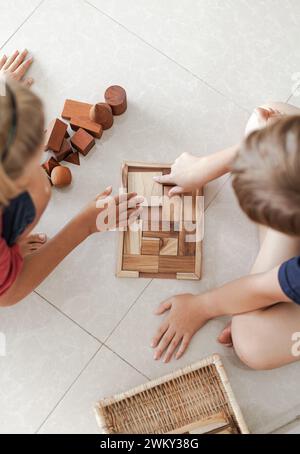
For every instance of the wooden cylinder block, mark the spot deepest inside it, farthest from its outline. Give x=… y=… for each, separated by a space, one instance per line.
x=101 y=113
x=116 y=97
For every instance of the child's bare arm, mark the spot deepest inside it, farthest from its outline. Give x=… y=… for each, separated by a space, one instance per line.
x=188 y=313
x=38 y=265
x=191 y=172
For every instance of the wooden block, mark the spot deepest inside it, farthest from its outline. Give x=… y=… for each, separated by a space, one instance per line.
x=88 y=125
x=133 y=239
x=49 y=165
x=189 y=247
x=61 y=177
x=204 y=425
x=64 y=151
x=150 y=246
x=158 y=275
x=55 y=135
x=181 y=242
x=172 y=207
x=73 y=158
x=151 y=217
x=143 y=263
x=124 y=176
x=143 y=184
x=169 y=264
x=160 y=234
x=75 y=109
x=82 y=141
x=169 y=246
x=67 y=135
x=101 y=113
x=128 y=274
x=187 y=277
x=116 y=97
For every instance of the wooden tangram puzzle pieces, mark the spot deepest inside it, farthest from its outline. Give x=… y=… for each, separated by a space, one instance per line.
x=166 y=241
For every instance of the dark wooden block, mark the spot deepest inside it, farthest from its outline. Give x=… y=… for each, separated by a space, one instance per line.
x=55 y=135
x=65 y=150
x=61 y=177
x=101 y=113
x=73 y=158
x=172 y=264
x=116 y=97
x=49 y=165
x=74 y=108
x=82 y=141
x=88 y=125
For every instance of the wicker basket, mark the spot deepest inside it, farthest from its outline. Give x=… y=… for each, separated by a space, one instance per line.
x=197 y=399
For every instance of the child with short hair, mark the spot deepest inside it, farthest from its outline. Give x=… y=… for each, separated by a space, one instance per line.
x=265 y=305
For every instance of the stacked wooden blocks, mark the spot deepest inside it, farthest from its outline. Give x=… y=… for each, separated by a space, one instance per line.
x=166 y=241
x=88 y=121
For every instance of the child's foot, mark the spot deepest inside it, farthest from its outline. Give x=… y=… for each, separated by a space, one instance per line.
x=225 y=336
x=32 y=243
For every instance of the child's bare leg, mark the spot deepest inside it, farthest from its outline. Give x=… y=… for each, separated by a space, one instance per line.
x=40 y=192
x=263 y=339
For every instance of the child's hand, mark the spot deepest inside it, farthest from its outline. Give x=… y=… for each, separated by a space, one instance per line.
x=187 y=174
x=17 y=66
x=108 y=213
x=186 y=316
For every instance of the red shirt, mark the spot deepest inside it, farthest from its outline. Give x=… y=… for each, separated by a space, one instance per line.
x=11 y=263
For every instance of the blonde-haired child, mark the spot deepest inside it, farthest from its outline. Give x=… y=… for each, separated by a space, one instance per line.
x=265 y=305
x=26 y=260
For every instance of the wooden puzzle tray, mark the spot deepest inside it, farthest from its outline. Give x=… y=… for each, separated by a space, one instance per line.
x=194 y=400
x=166 y=241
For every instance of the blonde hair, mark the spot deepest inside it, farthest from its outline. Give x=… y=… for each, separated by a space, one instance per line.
x=266 y=176
x=27 y=139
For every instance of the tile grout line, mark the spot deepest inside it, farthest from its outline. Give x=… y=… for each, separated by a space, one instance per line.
x=68 y=317
x=127 y=312
x=297 y=418
x=167 y=56
x=22 y=23
x=68 y=389
x=127 y=362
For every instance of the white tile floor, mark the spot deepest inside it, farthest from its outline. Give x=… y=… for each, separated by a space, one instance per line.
x=193 y=70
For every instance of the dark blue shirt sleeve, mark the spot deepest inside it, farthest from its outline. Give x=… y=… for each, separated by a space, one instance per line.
x=289 y=279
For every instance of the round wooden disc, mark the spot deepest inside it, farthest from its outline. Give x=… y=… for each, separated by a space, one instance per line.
x=101 y=113
x=116 y=97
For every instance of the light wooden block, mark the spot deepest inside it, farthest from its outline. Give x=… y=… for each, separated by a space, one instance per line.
x=133 y=239
x=170 y=264
x=178 y=259
x=143 y=184
x=172 y=207
x=150 y=246
x=169 y=246
x=143 y=263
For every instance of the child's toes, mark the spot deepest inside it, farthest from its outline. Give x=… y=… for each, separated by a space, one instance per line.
x=37 y=238
x=225 y=336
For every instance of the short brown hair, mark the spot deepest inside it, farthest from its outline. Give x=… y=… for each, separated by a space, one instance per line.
x=28 y=136
x=266 y=175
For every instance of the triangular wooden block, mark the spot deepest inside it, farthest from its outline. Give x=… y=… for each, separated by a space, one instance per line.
x=49 y=165
x=73 y=158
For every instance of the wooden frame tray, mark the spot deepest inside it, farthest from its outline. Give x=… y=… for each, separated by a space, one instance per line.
x=166 y=242
x=197 y=399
